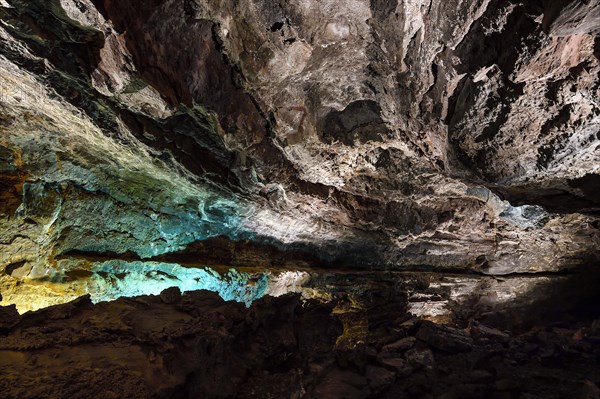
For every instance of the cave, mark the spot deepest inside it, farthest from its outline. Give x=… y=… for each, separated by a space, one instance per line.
x=299 y=199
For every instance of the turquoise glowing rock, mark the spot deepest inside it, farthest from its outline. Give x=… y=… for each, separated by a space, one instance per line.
x=116 y=278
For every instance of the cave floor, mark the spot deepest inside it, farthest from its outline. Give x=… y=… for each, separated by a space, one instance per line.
x=363 y=334
x=364 y=345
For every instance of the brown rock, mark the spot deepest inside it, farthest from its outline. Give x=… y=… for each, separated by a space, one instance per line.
x=379 y=378
x=340 y=384
x=9 y=317
x=170 y=295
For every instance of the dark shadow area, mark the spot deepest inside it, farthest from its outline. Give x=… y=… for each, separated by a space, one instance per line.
x=557 y=200
x=260 y=253
x=359 y=121
x=565 y=300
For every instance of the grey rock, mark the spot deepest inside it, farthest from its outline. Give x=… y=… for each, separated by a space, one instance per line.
x=444 y=338
x=479 y=331
x=420 y=358
x=399 y=346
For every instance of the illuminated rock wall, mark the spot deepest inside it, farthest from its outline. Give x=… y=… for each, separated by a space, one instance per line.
x=437 y=136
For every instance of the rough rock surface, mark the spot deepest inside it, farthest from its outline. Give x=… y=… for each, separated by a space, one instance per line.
x=201 y=346
x=371 y=133
x=440 y=158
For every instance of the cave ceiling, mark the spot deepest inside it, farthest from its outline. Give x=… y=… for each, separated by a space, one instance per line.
x=439 y=136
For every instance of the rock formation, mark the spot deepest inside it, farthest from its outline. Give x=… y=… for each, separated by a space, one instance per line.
x=197 y=345
x=449 y=148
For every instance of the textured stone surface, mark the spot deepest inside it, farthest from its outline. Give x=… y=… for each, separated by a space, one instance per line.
x=367 y=133
x=201 y=346
x=440 y=158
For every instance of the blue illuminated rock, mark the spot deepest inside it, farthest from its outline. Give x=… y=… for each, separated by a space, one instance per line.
x=113 y=279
